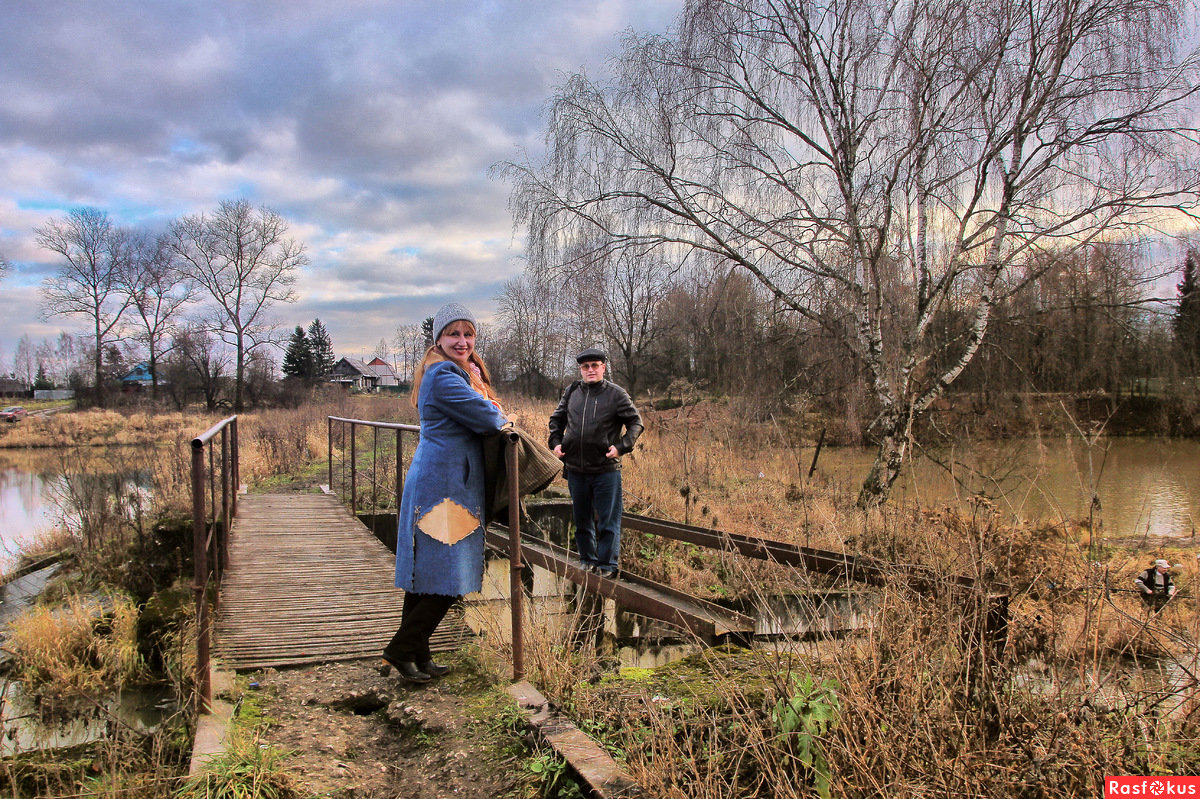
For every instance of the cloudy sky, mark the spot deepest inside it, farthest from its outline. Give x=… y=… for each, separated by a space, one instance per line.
x=369 y=125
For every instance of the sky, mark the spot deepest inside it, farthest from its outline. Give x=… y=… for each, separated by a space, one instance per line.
x=371 y=126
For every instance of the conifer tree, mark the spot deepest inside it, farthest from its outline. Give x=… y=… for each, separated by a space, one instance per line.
x=1187 y=314
x=320 y=346
x=42 y=381
x=298 y=360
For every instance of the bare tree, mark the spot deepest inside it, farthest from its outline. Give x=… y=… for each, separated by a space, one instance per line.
x=95 y=258
x=409 y=343
x=631 y=291
x=196 y=365
x=242 y=257
x=876 y=165
x=158 y=291
x=528 y=314
x=25 y=360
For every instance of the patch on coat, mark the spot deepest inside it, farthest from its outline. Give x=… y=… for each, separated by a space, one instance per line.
x=448 y=522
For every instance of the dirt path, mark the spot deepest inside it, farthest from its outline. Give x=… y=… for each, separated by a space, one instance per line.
x=357 y=733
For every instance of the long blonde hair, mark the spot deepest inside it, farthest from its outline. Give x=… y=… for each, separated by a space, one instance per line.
x=481 y=382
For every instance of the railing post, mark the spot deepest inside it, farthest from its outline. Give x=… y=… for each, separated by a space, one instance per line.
x=212 y=481
x=516 y=587
x=235 y=472
x=200 y=578
x=330 y=420
x=353 y=472
x=219 y=556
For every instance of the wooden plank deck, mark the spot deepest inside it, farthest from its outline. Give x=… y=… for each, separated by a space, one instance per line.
x=308 y=583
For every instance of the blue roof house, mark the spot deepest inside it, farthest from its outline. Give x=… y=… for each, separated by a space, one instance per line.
x=138 y=378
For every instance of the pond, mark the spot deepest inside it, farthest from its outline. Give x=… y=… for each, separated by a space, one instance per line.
x=36 y=499
x=26 y=510
x=1144 y=487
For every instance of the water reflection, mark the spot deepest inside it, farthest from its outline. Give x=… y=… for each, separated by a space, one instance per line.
x=1142 y=486
x=46 y=490
x=27 y=727
x=26 y=510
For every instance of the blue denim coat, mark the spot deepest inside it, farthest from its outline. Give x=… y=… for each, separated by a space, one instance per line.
x=439 y=541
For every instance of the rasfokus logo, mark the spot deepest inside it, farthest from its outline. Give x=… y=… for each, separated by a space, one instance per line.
x=1151 y=786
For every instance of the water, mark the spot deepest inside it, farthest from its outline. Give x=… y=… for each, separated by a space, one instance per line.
x=1144 y=487
x=26 y=727
x=36 y=499
x=26 y=509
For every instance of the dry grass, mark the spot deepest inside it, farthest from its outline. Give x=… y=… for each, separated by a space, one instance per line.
x=1089 y=683
x=80 y=647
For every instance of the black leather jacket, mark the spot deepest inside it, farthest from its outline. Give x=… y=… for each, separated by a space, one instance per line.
x=588 y=420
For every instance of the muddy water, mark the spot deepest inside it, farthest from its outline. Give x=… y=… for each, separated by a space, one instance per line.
x=1142 y=486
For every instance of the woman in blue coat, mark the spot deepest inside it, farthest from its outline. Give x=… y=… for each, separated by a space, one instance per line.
x=439 y=542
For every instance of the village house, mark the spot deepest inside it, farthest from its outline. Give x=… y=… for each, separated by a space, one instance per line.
x=354 y=375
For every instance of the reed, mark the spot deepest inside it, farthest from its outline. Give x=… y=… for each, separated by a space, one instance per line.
x=921 y=703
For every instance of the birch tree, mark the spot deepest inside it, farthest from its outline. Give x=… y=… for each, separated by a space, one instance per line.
x=95 y=256
x=243 y=258
x=874 y=165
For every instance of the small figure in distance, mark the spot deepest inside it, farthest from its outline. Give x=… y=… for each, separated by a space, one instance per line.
x=1156 y=585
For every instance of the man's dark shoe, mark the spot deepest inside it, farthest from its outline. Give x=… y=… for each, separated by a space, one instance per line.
x=609 y=573
x=434 y=669
x=411 y=672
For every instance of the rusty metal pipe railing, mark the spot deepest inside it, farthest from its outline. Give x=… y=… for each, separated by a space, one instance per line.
x=349 y=427
x=210 y=538
x=516 y=589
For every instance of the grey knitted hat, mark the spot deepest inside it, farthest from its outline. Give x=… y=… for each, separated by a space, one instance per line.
x=449 y=313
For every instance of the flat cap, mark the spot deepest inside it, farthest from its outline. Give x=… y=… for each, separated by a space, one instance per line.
x=591 y=354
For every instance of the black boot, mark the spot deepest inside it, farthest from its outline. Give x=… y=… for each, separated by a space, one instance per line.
x=409 y=671
x=434 y=669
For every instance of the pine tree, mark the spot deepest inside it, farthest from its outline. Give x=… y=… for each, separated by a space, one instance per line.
x=427 y=329
x=1187 y=314
x=321 y=348
x=42 y=381
x=298 y=360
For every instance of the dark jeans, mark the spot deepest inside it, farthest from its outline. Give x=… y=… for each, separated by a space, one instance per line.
x=596 y=500
x=421 y=615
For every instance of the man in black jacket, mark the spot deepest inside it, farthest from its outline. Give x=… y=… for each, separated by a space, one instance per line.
x=586 y=432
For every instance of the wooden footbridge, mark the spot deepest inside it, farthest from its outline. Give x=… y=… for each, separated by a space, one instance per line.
x=306 y=582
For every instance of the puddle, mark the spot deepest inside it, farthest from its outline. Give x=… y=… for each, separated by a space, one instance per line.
x=26 y=728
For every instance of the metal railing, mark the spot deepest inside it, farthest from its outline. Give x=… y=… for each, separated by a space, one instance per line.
x=381 y=495
x=387 y=496
x=210 y=533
